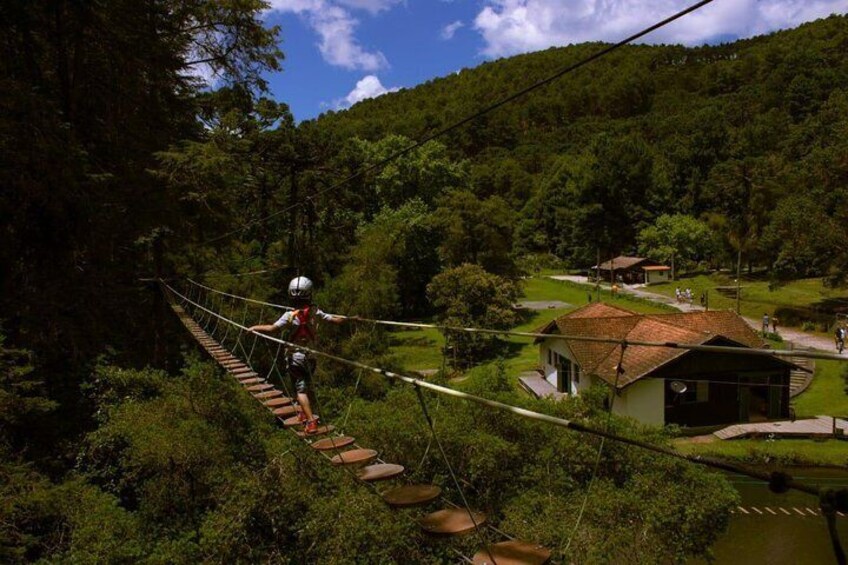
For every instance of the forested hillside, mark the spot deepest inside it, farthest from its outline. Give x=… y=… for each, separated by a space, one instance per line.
x=137 y=141
x=749 y=136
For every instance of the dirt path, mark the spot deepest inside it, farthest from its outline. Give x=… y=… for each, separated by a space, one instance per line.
x=797 y=337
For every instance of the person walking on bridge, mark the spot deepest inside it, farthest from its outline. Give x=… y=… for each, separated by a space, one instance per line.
x=299 y=327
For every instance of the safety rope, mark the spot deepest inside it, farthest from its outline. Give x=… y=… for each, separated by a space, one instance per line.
x=831 y=501
x=578 y=338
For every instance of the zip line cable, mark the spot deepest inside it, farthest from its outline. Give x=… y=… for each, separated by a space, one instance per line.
x=669 y=344
x=831 y=501
x=447 y=129
x=775 y=479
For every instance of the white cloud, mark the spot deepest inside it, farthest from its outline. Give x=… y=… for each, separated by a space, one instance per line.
x=368 y=87
x=335 y=27
x=372 y=6
x=516 y=26
x=449 y=30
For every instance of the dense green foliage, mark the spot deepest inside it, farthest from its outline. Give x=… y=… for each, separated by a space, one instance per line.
x=467 y=296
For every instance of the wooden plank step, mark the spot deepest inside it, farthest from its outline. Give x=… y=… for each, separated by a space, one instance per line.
x=354 y=457
x=242 y=369
x=285 y=411
x=320 y=431
x=293 y=421
x=268 y=394
x=512 y=552
x=411 y=495
x=451 y=521
x=275 y=402
x=260 y=387
x=380 y=472
x=329 y=443
x=251 y=381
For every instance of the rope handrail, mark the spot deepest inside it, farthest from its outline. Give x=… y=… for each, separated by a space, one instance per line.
x=239 y=297
x=536 y=335
x=775 y=479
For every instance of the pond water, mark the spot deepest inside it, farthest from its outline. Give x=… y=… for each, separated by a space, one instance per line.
x=782 y=529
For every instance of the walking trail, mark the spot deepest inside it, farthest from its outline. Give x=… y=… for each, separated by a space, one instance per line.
x=797 y=337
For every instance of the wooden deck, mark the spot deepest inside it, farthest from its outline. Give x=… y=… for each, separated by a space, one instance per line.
x=535 y=384
x=820 y=426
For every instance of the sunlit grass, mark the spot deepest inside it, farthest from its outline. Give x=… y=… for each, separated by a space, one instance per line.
x=757 y=298
x=826 y=394
x=785 y=451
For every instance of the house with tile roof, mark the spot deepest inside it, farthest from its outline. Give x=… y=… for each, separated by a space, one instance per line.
x=709 y=388
x=632 y=270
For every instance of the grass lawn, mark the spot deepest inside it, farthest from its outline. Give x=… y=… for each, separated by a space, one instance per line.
x=756 y=296
x=783 y=451
x=826 y=394
x=417 y=349
x=422 y=349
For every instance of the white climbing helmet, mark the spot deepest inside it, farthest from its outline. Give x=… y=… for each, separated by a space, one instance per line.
x=300 y=287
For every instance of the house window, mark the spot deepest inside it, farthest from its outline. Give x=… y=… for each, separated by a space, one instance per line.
x=550 y=357
x=696 y=391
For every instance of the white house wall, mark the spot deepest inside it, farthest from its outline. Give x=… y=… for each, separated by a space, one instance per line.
x=549 y=370
x=643 y=401
x=656 y=276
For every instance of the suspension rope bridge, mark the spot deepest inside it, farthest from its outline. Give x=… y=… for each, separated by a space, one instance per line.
x=446 y=521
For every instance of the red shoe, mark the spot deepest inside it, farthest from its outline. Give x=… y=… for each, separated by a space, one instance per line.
x=311 y=426
x=301 y=416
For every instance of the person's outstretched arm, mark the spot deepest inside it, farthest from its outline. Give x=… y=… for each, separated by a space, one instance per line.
x=262 y=328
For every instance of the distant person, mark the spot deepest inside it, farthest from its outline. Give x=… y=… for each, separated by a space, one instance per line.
x=774 y=322
x=677 y=293
x=765 y=323
x=300 y=326
x=703 y=300
x=840 y=339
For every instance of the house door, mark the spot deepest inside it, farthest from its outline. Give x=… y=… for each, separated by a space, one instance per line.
x=775 y=402
x=744 y=403
x=563 y=374
x=560 y=375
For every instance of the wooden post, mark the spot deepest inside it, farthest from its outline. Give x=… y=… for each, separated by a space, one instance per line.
x=158 y=305
x=612 y=277
x=598 y=276
x=672 y=266
x=293 y=262
x=738 y=275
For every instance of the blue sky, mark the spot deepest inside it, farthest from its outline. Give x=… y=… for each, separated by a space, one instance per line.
x=341 y=51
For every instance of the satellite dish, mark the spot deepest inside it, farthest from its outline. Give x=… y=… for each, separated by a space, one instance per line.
x=678 y=386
